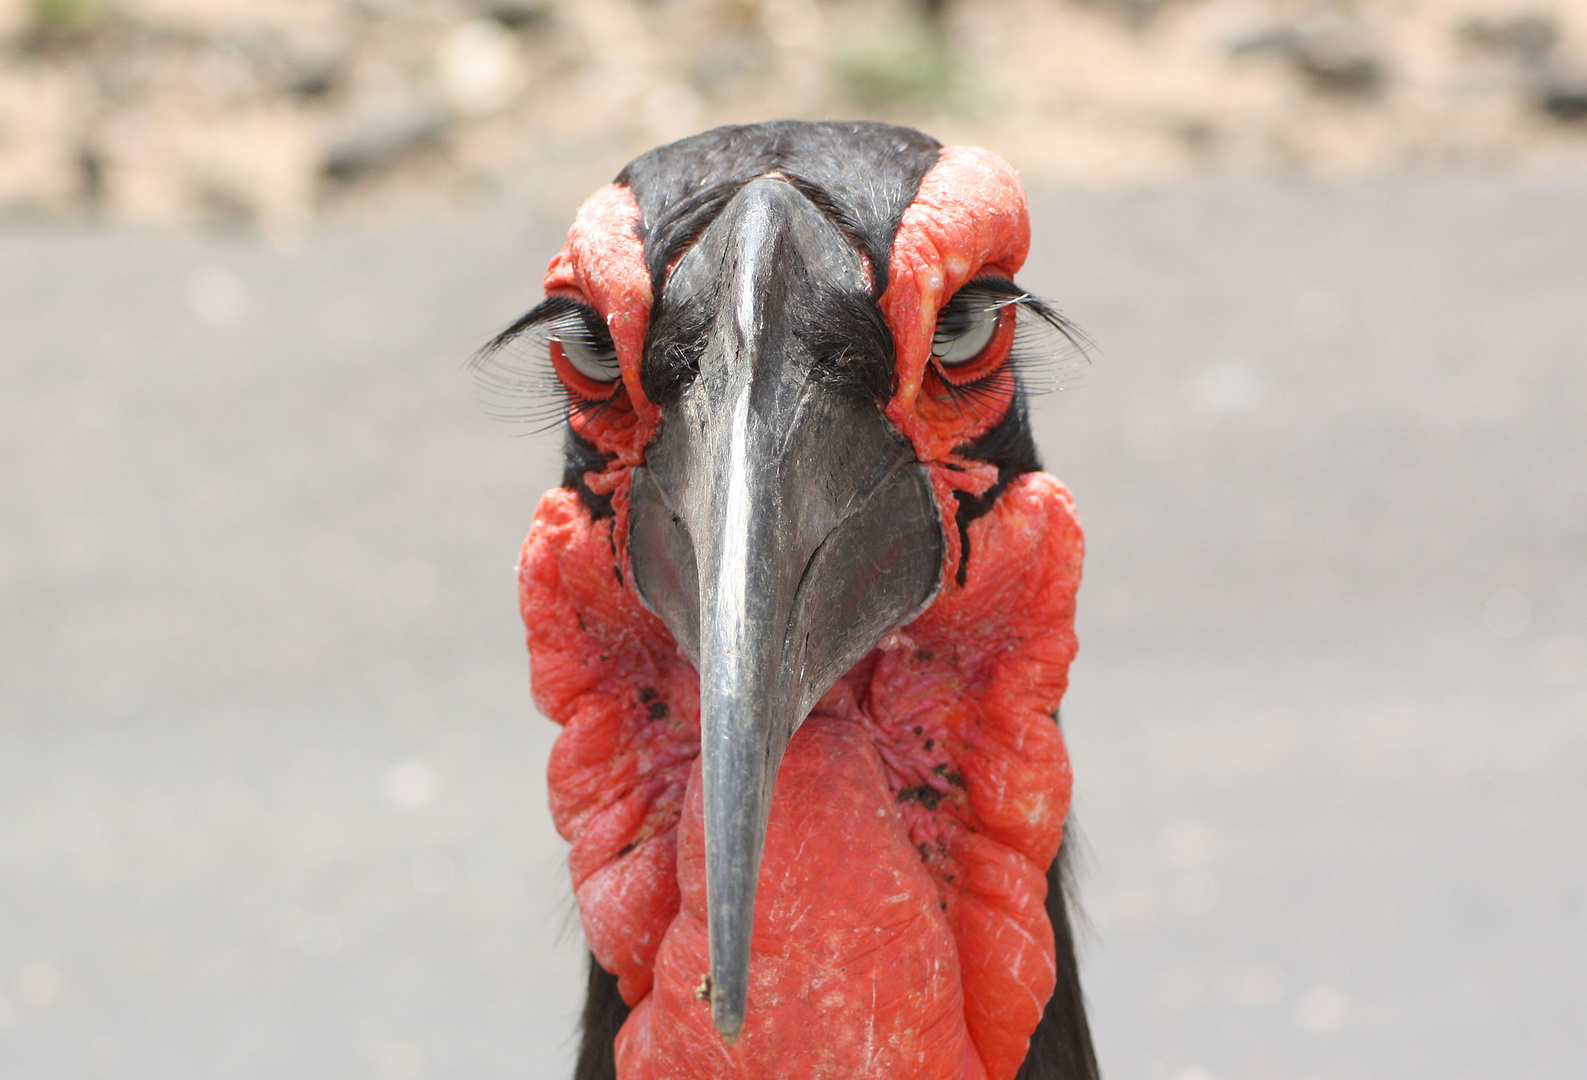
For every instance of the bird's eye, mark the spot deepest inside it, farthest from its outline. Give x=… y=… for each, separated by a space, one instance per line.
x=553 y=363
x=965 y=327
x=587 y=347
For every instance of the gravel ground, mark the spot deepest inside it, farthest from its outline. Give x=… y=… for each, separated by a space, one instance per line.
x=271 y=796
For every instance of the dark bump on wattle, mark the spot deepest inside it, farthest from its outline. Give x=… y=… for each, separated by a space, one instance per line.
x=923 y=794
x=950 y=774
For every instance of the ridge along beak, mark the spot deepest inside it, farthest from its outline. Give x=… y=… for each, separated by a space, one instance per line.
x=780 y=528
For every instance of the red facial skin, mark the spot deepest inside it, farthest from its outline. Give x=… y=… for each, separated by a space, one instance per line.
x=899 y=925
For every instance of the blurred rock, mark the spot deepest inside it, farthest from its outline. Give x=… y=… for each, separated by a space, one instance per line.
x=14 y=18
x=174 y=164
x=671 y=112
x=1338 y=57
x=54 y=23
x=795 y=24
x=1336 y=54
x=1563 y=93
x=478 y=67
x=1137 y=13
x=1529 y=38
x=307 y=62
x=379 y=135
x=1533 y=40
x=517 y=14
x=728 y=66
x=899 y=70
x=39 y=109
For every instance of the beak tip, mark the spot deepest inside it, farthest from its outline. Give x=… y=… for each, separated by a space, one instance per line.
x=729 y=1022
x=727 y=1015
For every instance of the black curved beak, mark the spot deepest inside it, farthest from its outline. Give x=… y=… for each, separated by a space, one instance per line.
x=781 y=526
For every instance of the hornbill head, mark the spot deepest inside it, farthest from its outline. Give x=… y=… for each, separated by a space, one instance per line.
x=788 y=352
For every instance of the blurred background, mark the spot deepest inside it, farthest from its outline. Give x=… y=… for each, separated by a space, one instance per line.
x=271 y=784
x=267 y=115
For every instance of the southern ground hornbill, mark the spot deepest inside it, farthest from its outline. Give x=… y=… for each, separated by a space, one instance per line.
x=804 y=608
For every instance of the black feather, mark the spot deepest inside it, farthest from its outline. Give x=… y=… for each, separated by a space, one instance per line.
x=863 y=175
x=604 y=1013
x=1060 y=1047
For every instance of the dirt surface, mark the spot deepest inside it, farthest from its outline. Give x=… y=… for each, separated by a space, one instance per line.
x=272 y=789
x=265 y=114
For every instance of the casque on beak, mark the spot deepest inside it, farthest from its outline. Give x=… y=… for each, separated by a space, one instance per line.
x=781 y=525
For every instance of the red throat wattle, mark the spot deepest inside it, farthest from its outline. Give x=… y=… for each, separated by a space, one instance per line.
x=900 y=928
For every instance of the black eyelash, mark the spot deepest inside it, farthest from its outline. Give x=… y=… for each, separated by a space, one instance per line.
x=515 y=372
x=1048 y=354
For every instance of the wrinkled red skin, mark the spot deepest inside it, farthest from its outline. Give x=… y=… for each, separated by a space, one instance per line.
x=900 y=927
